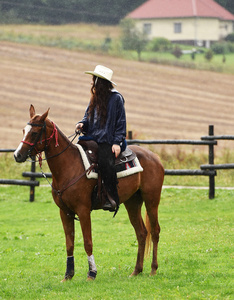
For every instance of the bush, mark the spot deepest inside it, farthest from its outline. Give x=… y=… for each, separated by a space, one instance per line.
x=159 y=45
x=230 y=46
x=177 y=52
x=223 y=47
x=209 y=55
x=106 y=45
x=230 y=38
x=219 y=48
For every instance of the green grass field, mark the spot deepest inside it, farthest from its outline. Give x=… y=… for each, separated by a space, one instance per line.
x=195 y=250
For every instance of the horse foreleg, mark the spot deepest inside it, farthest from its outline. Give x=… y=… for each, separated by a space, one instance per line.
x=69 y=230
x=85 y=222
x=134 y=211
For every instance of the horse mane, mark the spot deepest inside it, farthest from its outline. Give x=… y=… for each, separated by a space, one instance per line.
x=61 y=133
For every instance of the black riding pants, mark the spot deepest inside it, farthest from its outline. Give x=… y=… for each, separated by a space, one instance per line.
x=106 y=163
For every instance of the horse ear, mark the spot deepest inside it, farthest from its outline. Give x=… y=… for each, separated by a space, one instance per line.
x=32 y=111
x=44 y=116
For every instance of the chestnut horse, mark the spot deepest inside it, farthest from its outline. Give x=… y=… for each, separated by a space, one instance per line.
x=72 y=190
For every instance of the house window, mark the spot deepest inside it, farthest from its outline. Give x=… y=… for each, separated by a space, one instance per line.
x=147 y=28
x=177 y=27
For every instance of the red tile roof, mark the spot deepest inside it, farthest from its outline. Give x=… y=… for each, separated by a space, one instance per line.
x=180 y=8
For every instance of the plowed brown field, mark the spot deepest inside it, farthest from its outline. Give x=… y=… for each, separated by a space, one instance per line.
x=162 y=102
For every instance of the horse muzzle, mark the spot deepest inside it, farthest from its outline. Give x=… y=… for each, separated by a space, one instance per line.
x=19 y=157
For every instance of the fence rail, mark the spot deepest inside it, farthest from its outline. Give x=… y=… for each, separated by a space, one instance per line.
x=19 y=182
x=171 y=142
x=205 y=170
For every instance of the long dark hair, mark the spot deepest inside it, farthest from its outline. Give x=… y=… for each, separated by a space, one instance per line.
x=100 y=94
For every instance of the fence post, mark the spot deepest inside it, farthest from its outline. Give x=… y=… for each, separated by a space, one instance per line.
x=211 y=162
x=32 y=187
x=130 y=135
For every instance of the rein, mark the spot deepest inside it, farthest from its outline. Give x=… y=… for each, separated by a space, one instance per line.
x=68 y=211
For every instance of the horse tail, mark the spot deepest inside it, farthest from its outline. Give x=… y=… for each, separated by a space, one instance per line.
x=148 y=237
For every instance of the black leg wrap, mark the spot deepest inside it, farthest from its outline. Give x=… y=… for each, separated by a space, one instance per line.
x=70 y=268
x=92 y=274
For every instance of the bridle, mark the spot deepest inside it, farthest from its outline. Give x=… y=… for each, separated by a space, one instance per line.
x=39 y=140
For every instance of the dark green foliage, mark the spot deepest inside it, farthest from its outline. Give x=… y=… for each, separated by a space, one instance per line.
x=227 y=4
x=66 y=11
x=230 y=37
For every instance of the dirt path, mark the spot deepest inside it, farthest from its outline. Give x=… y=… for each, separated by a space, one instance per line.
x=161 y=102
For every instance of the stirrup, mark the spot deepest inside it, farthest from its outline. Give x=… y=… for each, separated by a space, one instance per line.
x=110 y=204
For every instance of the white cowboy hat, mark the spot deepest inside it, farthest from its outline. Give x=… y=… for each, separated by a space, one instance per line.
x=102 y=72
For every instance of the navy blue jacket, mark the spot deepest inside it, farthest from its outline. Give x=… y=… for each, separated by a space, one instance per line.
x=114 y=131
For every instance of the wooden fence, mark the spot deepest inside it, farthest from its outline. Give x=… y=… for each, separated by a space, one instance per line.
x=205 y=170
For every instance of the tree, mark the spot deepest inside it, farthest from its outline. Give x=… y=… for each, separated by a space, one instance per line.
x=69 y=11
x=227 y=4
x=132 y=38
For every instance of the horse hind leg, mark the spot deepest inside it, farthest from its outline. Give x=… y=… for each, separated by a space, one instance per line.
x=153 y=227
x=133 y=206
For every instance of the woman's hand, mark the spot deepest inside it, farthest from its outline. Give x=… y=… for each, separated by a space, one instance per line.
x=116 y=150
x=79 y=126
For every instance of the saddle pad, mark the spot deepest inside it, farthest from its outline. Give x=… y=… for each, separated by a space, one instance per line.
x=126 y=169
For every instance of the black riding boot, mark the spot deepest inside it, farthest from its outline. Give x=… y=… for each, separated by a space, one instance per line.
x=106 y=163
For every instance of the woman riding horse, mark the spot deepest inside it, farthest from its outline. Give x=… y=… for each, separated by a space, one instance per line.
x=105 y=122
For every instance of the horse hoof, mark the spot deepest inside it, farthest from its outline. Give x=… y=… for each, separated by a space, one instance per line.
x=66 y=279
x=90 y=279
x=91 y=275
x=134 y=274
x=153 y=273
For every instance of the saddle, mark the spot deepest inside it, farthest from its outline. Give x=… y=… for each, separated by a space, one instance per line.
x=99 y=195
x=91 y=149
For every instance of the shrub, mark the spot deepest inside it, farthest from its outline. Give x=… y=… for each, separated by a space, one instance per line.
x=230 y=46
x=106 y=44
x=230 y=37
x=223 y=47
x=219 y=48
x=159 y=45
x=209 y=55
x=177 y=52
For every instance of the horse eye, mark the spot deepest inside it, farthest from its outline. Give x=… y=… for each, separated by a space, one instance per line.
x=34 y=133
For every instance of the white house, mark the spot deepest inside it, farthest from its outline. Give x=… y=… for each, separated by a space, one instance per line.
x=196 y=22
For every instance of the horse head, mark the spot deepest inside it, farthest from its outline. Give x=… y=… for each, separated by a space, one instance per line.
x=35 y=136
